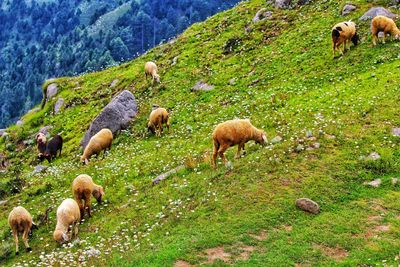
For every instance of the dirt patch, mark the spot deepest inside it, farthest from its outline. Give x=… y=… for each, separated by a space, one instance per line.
x=217 y=253
x=246 y=251
x=382 y=228
x=261 y=236
x=374 y=218
x=181 y=263
x=336 y=253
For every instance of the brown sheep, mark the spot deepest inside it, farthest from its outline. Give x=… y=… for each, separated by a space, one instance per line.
x=342 y=33
x=234 y=132
x=68 y=214
x=385 y=25
x=20 y=221
x=83 y=188
x=99 y=142
x=150 y=68
x=158 y=117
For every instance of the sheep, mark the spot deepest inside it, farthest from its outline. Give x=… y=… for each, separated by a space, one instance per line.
x=68 y=214
x=385 y=25
x=157 y=118
x=20 y=221
x=41 y=142
x=52 y=147
x=234 y=132
x=83 y=188
x=150 y=68
x=343 y=32
x=100 y=141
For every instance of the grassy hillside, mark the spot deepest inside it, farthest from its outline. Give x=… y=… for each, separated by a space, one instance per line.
x=282 y=76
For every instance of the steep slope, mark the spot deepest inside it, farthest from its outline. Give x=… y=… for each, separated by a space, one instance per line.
x=282 y=76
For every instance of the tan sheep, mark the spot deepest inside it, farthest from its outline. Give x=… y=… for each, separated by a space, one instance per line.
x=150 y=68
x=234 y=132
x=158 y=117
x=83 y=188
x=385 y=25
x=20 y=221
x=68 y=214
x=41 y=142
x=99 y=142
x=342 y=33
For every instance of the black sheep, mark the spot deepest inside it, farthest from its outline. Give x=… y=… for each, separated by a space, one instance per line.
x=53 y=146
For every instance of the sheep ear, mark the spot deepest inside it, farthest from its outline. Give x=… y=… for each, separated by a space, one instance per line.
x=65 y=237
x=264 y=137
x=86 y=161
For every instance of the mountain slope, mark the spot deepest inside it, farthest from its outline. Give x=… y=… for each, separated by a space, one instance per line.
x=282 y=76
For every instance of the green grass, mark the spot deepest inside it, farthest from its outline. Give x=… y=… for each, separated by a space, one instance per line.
x=288 y=84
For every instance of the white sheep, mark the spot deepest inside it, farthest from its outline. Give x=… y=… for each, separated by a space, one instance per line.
x=385 y=25
x=20 y=221
x=150 y=68
x=234 y=132
x=83 y=188
x=68 y=214
x=99 y=142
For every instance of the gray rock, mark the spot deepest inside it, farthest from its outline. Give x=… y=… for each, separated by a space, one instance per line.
x=377 y=11
x=52 y=90
x=308 y=205
x=19 y=123
x=276 y=139
x=174 y=61
x=3 y=202
x=58 y=105
x=164 y=176
x=347 y=9
x=374 y=183
x=92 y=252
x=114 y=83
x=46 y=130
x=115 y=116
x=232 y=81
x=396 y=131
x=39 y=169
x=262 y=14
x=282 y=4
x=374 y=156
x=395 y=181
x=201 y=86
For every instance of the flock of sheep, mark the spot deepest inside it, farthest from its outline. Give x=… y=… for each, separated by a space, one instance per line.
x=225 y=135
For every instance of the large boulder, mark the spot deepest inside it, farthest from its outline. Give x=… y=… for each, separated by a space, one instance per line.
x=282 y=3
x=52 y=90
x=377 y=11
x=115 y=116
x=202 y=86
x=58 y=105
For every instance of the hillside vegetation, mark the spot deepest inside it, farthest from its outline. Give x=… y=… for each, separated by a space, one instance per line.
x=281 y=75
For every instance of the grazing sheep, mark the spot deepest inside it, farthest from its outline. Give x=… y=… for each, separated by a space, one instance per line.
x=21 y=222
x=83 y=188
x=234 y=132
x=150 y=68
x=52 y=147
x=157 y=118
x=342 y=33
x=385 y=25
x=100 y=141
x=68 y=214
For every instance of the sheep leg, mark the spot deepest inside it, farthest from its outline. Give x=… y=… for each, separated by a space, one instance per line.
x=15 y=234
x=384 y=37
x=215 y=153
x=76 y=230
x=221 y=152
x=240 y=146
x=25 y=239
x=87 y=202
x=374 y=37
x=81 y=206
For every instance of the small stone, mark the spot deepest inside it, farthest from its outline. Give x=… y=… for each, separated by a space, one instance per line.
x=316 y=145
x=330 y=136
x=39 y=169
x=276 y=139
x=232 y=81
x=114 y=83
x=3 y=202
x=282 y=3
x=19 y=123
x=309 y=133
x=374 y=156
x=395 y=181
x=59 y=104
x=308 y=205
x=396 y=131
x=202 y=86
x=92 y=252
x=2 y=131
x=175 y=61
x=348 y=9
x=262 y=14
x=46 y=130
x=374 y=183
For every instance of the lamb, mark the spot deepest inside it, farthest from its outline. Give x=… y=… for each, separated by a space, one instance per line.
x=385 y=25
x=100 y=141
x=83 y=188
x=157 y=118
x=150 y=68
x=234 y=132
x=68 y=214
x=52 y=147
x=343 y=32
x=20 y=221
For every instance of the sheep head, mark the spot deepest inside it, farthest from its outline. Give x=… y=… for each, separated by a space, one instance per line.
x=151 y=128
x=60 y=236
x=98 y=193
x=261 y=138
x=157 y=78
x=84 y=160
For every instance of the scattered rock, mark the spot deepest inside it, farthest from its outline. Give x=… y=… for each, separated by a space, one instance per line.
x=46 y=130
x=395 y=181
x=309 y=133
x=374 y=156
x=232 y=81
x=299 y=148
x=348 y=9
x=52 y=90
x=201 y=86
x=3 y=202
x=396 y=132
x=19 y=123
x=59 y=104
x=114 y=83
x=115 y=116
x=92 y=252
x=164 y=176
x=3 y=132
x=282 y=4
x=377 y=11
x=308 y=205
x=175 y=61
x=262 y=14
x=40 y=168
x=374 y=183
x=276 y=139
